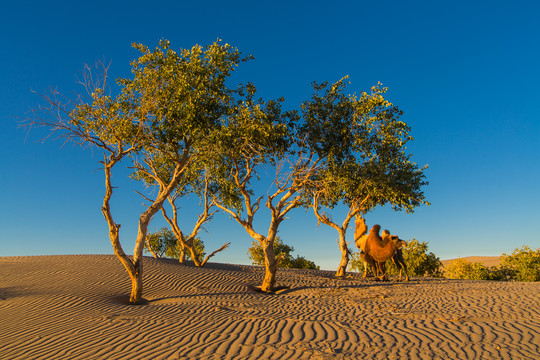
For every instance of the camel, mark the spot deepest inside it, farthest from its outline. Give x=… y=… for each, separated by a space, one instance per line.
x=376 y=250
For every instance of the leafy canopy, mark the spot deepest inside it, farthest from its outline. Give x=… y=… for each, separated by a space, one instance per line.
x=363 y=144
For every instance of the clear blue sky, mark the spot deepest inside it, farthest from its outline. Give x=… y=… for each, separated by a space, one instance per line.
x=467 y=75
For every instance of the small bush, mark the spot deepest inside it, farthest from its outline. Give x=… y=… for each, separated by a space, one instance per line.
x=419 y=262
x=283 y=256
x=164 y=243
x=463 y=269
x=160 y=242
x=524 y=264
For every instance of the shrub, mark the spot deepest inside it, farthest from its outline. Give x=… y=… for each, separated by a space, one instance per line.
x=419 y=262
x=159 y=242
x=463 y=269
x=164 y=243
x=283 y=255
x=524 y=264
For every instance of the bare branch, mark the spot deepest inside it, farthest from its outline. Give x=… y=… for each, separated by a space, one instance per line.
x=225 y=246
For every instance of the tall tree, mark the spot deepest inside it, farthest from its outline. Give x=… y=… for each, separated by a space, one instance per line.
x=260 y=137
x=371 y=167
x=168 y=109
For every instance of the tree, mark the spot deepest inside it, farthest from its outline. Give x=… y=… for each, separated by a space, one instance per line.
x=260 y=136
x=367 y=165
x=168 y=110
x=283 y=255
x=197 y=180
x=164 y=243
x=160 y=242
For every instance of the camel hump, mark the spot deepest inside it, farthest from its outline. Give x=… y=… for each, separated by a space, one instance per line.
x=376 y=228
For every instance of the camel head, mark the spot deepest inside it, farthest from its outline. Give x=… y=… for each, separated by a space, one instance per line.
x=394 y=238
x=397 y=241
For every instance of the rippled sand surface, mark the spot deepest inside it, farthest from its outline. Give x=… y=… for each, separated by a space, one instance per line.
x=73 y=307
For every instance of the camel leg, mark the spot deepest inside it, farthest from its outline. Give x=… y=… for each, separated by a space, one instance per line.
x=396 y=262
x=368 y=264
x=381 y=271
x=404 y=268
x=400 y=263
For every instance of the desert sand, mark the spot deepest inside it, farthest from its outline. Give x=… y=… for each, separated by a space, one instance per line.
x=73 y=307
x=484 y=260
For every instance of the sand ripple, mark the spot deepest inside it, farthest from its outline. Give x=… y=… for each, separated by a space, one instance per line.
x=70 y=307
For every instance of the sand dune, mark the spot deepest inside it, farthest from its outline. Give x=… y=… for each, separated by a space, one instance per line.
x=72 y=307
x=484 y=260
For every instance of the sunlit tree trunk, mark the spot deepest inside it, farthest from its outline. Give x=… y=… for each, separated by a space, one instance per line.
x=343 y=247
x=133 y=268
x=270 y=266
x=150 y=249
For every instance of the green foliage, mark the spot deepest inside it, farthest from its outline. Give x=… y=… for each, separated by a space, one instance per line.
x=164 y=243
x=463 y=269
x=362 y=143
x=160 y=242
x=524 y=263
x=283 y=255
x=355 y=263
x=419 y=262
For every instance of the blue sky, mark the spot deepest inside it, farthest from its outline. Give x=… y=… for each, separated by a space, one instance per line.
x=466 y=74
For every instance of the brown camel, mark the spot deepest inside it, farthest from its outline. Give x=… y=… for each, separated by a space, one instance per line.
x=376 y=250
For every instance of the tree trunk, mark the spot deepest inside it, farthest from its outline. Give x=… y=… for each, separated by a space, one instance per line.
x=150 y=249
x=270 y=266
x=342 y=268
x=194 y=255
x=182 y=256
x=136 y=284
x=137 y=273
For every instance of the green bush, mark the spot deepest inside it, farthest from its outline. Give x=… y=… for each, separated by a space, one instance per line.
x=524 y=264
x=160 y=242
x=419 y=262
x=164 y=243
x=283 y=256
x=463 y=269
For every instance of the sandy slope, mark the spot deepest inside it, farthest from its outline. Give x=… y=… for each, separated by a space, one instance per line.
x=484 y=260
x=70 y=307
